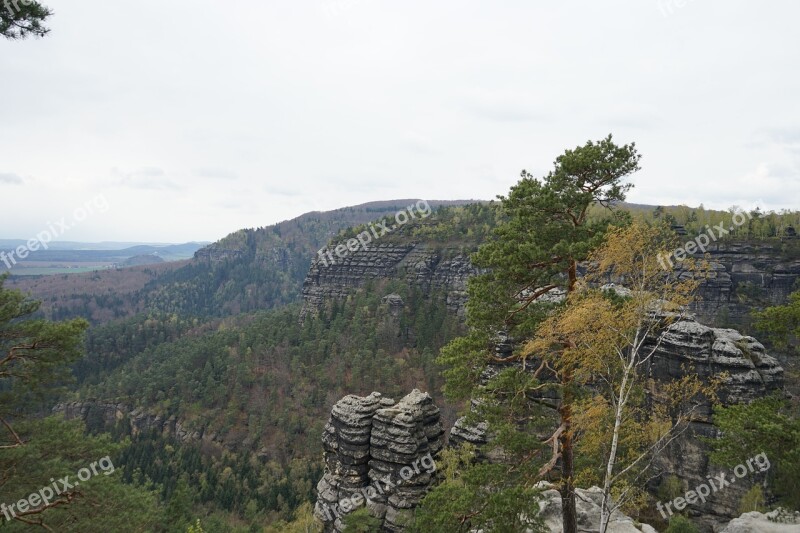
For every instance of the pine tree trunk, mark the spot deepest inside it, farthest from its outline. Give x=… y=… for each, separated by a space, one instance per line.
x=569 y=511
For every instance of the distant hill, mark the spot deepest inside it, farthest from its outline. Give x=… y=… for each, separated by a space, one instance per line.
x=81 y=253
x=265 y=267
x=250 y=269
x=8 y=244
x=144 y=259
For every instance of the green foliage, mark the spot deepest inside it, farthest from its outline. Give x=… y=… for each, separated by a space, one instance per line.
x=681 y=524
x=303 y=522
x=110 y=345
x=34 y=353
x=195 y=528
x=34 y=359
x=23 y=18
x=753 y=500
x=360 y=521
x=544 y=230
x=54 y=449
x=758 y=225
x=780 y=323
x=237 y=483
x=261 y=382
x=765 y=426
x=670 y=488
x=468 y=485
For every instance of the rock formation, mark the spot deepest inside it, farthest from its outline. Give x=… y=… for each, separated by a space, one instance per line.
x=588 y=504
x=742 y=272
x=772 y=522
x=420 y=264
x=750 y=373
x=107 y=414
x=746 y=371
x=380 y=454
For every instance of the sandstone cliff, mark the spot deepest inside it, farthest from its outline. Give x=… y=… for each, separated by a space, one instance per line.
x=380 y=454
x=421 y=264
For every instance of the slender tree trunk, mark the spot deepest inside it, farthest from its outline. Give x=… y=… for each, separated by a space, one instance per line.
x=569 y=511
x=622 y=399
x=605 y=509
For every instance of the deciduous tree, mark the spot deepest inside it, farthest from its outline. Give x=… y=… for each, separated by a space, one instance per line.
x=605 y=337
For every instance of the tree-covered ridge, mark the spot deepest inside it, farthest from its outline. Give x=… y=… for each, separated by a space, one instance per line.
x=758 y=224
x=264 y=384
x=459 y=225
x=249 y=270
x=222 y=379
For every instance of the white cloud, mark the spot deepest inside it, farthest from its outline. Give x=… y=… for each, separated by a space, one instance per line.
x=10 y=178
x=337 y=102
x=152 y=178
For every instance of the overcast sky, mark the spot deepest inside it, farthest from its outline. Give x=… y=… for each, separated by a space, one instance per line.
x=196 y=118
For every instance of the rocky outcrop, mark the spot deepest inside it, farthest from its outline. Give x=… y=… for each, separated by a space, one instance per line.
x=420 y=264
x=745 y=372
x=379 y=454
x=394 y=302
x=216 y=254
x=588 y=503
x=772 y=522
x=108 y=414
x=745 y=275
x=712 y=352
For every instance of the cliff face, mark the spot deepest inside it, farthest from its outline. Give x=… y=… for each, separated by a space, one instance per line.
x=419 y=263
x=106 y=415
x=746 y=275
x=746 y=372
x=379 y=454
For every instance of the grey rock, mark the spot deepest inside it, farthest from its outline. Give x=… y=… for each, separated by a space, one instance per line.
x=756 y=522
x=588 y=505
x=380 y=454
x=420 y=264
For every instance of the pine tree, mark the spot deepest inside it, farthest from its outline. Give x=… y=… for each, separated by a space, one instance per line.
x=545 y=232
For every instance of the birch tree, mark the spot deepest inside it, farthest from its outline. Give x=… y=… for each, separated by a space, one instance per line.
x=605 y=337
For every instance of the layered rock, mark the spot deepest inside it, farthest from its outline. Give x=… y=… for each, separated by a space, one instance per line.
x=745 y=372
x=588 y=504
x=380 y=454
x=745 y=274
x=420 y=264
x=107 y=414
x=772 y=522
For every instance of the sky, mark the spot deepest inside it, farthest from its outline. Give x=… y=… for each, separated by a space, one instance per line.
x=187 y=120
